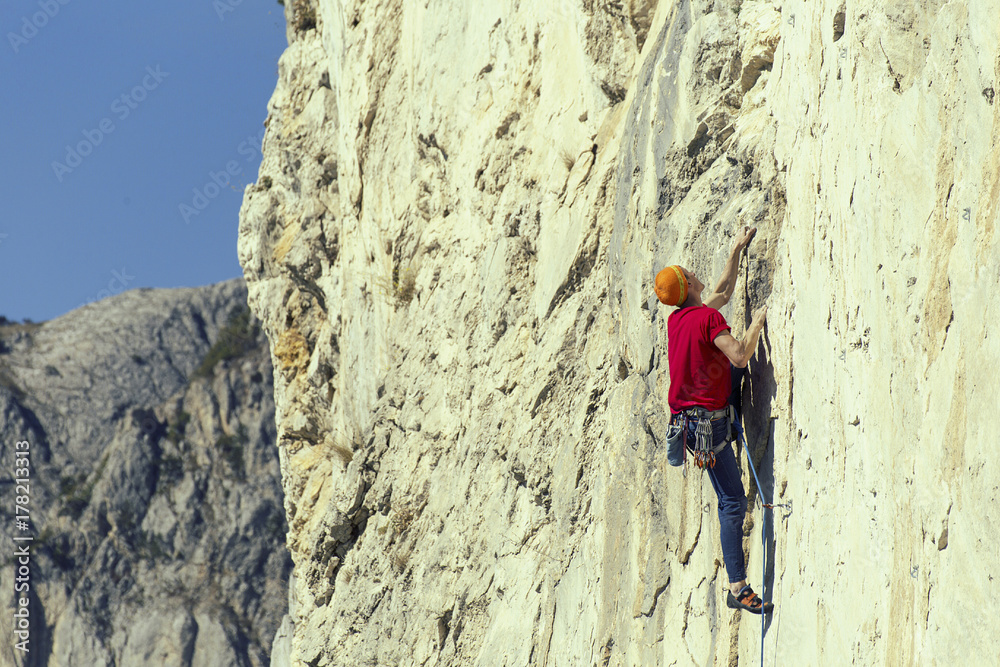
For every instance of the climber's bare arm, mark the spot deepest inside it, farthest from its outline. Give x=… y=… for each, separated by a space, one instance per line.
x=739 y=352
x=732 y=348
x=724 y=290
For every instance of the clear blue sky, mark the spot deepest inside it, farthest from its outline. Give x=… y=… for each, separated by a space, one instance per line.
x=151 y=99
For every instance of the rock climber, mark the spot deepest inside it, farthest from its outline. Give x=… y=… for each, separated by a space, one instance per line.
x=700 y=349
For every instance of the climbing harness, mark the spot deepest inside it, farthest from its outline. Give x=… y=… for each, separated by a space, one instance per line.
x=702 y=449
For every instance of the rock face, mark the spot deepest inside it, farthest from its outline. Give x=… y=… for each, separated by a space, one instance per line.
x=452 y=244
x=155 y=494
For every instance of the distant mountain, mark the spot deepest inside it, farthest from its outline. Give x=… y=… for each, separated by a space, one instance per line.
x=155 y=499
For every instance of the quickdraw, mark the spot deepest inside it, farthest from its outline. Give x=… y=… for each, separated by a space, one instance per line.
x=704 y=456
x=703 y=450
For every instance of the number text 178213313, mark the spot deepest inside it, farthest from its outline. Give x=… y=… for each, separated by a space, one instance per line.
x=22 y=543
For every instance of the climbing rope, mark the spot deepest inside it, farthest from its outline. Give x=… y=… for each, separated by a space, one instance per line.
x=763 y=531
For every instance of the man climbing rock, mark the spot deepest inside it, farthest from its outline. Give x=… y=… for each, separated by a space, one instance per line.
x=700 y=349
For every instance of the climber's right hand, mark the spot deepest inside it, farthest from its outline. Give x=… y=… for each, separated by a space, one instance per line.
x=742 y=243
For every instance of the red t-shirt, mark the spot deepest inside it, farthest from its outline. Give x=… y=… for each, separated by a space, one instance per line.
x=699 y=371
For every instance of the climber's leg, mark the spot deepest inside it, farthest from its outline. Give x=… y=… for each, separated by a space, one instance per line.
x=725 y=477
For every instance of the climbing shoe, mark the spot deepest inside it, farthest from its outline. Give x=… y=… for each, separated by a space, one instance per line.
x=747 y=600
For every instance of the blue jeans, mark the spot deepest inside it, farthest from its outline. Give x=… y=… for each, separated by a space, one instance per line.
x=728 y=487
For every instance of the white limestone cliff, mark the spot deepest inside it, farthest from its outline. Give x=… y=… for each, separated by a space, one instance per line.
x=460 y=211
